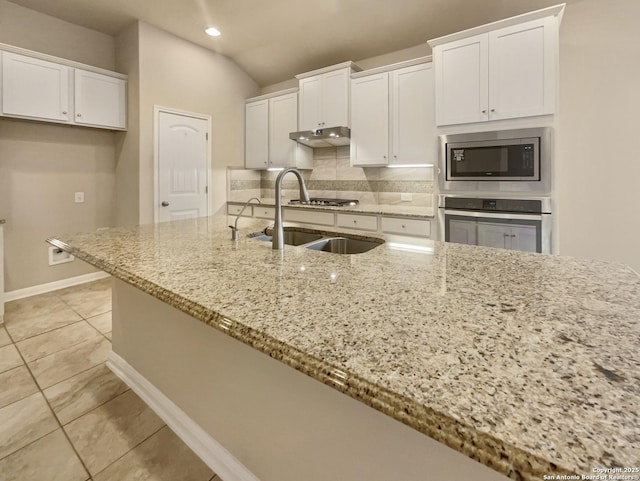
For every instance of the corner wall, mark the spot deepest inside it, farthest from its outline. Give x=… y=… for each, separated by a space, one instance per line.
x=178 y=74
x=43 y=164
x=597 y=165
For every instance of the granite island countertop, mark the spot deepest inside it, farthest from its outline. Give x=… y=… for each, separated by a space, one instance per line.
x=528 y=363
x=398 y=210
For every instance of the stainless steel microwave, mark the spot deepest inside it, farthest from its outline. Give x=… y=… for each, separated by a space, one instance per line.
x=498 y=156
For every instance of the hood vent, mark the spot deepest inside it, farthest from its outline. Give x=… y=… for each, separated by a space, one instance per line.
x=327 y=137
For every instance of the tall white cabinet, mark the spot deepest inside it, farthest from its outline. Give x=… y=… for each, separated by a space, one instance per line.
x=269 y=119
x=392 y=119
x=504 y=70
x=40 y=87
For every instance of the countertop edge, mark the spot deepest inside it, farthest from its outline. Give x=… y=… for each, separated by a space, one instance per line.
x=347 y=209
x=482 y=447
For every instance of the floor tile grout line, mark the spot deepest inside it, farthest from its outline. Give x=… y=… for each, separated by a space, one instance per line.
x=96 y=407
x=134 y=447
x=53 y=330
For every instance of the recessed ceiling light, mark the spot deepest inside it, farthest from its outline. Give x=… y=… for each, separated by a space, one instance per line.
x=212 y=31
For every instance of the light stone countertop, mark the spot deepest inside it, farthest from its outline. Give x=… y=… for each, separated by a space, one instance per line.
x=528 y=363
x=398 y=210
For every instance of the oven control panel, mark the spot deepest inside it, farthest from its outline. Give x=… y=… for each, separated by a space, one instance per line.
x=527 y=206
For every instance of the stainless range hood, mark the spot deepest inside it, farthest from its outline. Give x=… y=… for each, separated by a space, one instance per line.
x=327 y=137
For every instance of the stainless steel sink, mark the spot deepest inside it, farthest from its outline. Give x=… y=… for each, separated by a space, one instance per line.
x=325 y=242
x=344 y=245
x=291 y=237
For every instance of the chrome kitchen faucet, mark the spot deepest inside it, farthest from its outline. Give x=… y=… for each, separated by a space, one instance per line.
x=277 y=241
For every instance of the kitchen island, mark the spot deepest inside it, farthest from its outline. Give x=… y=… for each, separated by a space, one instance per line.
x=526 y=363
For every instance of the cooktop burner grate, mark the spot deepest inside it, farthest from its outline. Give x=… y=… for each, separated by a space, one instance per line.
x=323 y=201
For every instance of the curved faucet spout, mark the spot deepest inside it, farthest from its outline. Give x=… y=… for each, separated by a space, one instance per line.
x=277 y=241
x=235 y=235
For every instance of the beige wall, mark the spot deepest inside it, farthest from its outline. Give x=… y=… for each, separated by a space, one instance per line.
x=32 y=30
x=128 y=143
x=42 y=165
x=178 y=74
x=597 y=164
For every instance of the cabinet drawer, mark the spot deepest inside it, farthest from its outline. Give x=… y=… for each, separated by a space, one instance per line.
x=264 y=212
x=354 y=221
x=395 y=225
x=233 y=209
x=309 y=217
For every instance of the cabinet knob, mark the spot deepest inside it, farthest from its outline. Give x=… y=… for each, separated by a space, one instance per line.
x=513 y=235
x=78 y=115
x=506 y=235
x=384 y=157
x=165 y=203
x=493 y=110
x=64 y=112
x=403 y=226
x=355 y=221
x=484 y=111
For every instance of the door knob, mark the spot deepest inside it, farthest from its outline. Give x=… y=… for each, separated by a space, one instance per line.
x=165 y=203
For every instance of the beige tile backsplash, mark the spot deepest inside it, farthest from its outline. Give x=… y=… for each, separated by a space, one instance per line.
x=333 y=176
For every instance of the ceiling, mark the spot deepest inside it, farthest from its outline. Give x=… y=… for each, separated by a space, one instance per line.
x=273 y=40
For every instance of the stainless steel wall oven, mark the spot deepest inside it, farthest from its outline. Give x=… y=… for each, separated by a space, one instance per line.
x=509 y=223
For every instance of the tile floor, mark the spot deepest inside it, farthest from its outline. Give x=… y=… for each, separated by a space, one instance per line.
x=64 y=416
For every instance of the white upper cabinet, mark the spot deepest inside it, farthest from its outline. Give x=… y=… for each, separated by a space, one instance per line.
x=100 y=100
x=35 y=88
x=370 y=120
x=392 y=119
x=522 y=70
x=504 y=70
x=413 y=128
x=269 y=121
x=256 y=140
x=324 y=97
x=40 y=87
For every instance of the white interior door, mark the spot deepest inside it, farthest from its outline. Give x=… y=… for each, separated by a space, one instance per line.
x=183 y=147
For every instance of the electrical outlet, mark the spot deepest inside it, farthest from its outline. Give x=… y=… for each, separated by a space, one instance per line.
x=406 y=197
x=58 y=256
x=79 y=197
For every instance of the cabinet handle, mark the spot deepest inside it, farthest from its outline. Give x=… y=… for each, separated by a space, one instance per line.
x=513 y=235
x=484 y=111
x=165 y=203
x=493 y=110
x=506 y=235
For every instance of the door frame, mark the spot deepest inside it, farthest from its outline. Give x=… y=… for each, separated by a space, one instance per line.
x=157 y=110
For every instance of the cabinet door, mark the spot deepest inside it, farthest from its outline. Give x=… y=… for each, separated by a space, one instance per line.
x=522 y=69
x=100 y=100
x=370 y=120
x=523 y=238
x=461 y=69
x=310 y=113
x=413 y=135
x=283 y=119
x=256 y=141
x=463 y=232
x=335 y=98
x=34 y=88
x=494 y=235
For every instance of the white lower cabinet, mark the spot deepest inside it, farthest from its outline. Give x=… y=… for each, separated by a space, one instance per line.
x=264 y=212
x=401 y=225
x=309 y=217
x=355 y=221
x=1 y=274
x=234 y=209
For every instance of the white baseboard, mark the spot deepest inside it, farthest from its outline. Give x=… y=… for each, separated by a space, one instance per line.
x=53 y=286
x=212 y=453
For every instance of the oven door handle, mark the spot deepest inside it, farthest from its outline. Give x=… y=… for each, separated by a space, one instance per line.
x=493 y=215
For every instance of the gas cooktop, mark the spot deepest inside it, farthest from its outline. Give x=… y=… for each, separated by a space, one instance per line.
x=323 y=201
